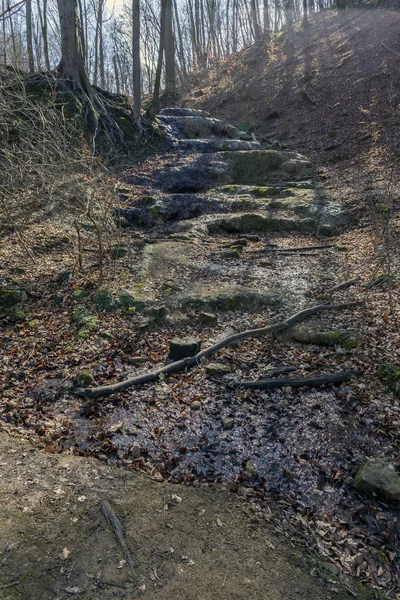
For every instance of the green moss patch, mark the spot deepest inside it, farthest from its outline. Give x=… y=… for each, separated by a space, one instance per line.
x=390 y=375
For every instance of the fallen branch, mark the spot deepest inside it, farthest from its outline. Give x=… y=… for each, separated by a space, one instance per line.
x=300 y=249
x=116 y=526
x=13 y=583
x=185 y=363
x=277 y=371
x=342 y=286
x=329 y=378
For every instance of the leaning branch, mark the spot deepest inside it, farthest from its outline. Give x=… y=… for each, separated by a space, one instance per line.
x=342 y=286
x=186 y=363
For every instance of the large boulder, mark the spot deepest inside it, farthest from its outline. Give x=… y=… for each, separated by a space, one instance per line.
x=259 y=223
x=198 y=126
x=317 y=333
x=379 y=477
x=226 y=299
x=259 y=167
x=11 y=297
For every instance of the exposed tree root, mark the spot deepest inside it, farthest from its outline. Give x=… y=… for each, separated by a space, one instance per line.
x=319 y=380
x=180 y=365
x=106 y=118
x=290 y=250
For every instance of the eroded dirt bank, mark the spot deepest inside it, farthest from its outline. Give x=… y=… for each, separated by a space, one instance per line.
x=185 y=542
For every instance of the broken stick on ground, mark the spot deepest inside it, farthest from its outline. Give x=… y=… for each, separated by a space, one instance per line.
x=116 y=525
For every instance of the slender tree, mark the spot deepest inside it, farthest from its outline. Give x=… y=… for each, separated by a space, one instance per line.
x=29 y=36
x=137 y=71
x=169 y=47
x=154 y=107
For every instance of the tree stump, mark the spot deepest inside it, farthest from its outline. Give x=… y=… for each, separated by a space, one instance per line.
x=183 y=348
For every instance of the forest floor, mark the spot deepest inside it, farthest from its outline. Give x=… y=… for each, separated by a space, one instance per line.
x=189 y=543
x=285 y=470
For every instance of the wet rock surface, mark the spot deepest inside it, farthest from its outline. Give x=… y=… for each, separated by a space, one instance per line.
x=380 y=478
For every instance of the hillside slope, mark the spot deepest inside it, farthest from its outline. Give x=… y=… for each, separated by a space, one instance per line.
x=332 y=93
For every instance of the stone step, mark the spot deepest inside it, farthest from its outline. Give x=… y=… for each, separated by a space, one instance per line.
x=215 y=145
x=183 y=112
x=199 y=127
x=251 y=167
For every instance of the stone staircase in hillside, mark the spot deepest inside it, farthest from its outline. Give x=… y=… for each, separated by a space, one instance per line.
x=223 y=179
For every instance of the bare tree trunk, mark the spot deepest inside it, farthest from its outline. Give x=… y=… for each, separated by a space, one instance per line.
x=101 y=45
x=180 y=38
x=116 y=74
x=170 y=83
x=43 y=26
x=154 y=107
x=254 y=19
x=3 y=10
x=305 y=16
x=267 y=32
x=137 y=70
x=289 y=14
x=72 y=65
x=29 y=37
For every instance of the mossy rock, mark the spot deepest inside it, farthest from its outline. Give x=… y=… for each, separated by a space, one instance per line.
x=64 y=277
x=125 y=299
x=104 y=301
x=257 y=223
x=84 y=378
x=258 y=167
x=17 y=313
x=251 y=167
x=390 y=375
x=117 y=252
x=12 y=297
x=232 y=254
x=79 y=295
x=216 y=369
x=379 y=478
x=266 y=192
x=127 y=126
x=315 y=333
x=86 y=322
x=227 y=299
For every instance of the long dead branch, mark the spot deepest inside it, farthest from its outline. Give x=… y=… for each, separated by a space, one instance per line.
x=180 y=365
x=319 y=380
x=342 y=286
x=289 y=250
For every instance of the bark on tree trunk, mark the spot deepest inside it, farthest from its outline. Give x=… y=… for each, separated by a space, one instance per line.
x=154 y=107
x=43 y=26
x=267 y=32
x=137 y=73
x=254 y=19
x=169 y=51
x=29 y=37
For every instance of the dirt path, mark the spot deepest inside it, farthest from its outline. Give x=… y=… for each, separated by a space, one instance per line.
x=203 y=250
x=188 y=543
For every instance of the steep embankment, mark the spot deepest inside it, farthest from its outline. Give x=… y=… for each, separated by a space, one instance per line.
x=332 y=93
